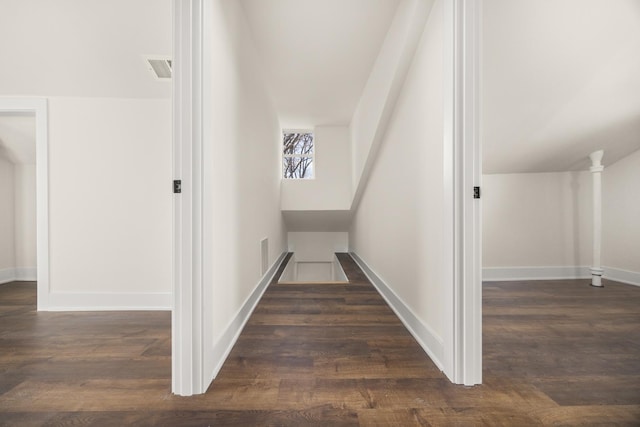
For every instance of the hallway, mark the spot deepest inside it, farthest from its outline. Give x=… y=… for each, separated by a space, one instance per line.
x=329 y=355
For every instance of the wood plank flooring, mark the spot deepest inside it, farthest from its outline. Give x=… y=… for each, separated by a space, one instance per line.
x=555 y=353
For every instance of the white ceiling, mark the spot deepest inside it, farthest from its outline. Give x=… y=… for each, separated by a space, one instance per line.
x=18 y=137
x=560 y=79
x=83 y=47
x=318 y=54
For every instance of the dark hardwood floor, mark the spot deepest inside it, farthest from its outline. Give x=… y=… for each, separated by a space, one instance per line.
x=555 y=353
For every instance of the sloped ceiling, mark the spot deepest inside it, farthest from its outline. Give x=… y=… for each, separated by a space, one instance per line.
x=318 y=54
x=84 y=48
x=560 y=79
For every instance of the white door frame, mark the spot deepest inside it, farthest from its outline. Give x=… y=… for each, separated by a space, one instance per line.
x=187 y=316
x=38 y=106
x=463 y=172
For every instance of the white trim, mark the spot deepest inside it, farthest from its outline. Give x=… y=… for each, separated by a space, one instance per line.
x=471 y=20
x=430 y=342
x=109 y=301
x=222 y=348
x=26 y=274
x=505 y=274
x=462 y=166
x=39 y=107
x=497 y=274
x=187 y=83
x=622 y=276
x=18 y=274
x=298 y=130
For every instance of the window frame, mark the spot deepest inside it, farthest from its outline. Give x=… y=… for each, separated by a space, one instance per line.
x=312 y=156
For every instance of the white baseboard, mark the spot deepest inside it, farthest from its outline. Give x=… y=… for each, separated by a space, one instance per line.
x=535 y=273
x=497 y=274
x=222 y=348
x=430 y=342
x=7 y=275
x=109 y=301
x=26 y=274
x=92 y=301
x=623 y=276
x=18 y=274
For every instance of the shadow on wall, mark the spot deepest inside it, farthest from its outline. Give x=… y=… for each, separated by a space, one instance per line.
x=18 y=196
x=576 y=207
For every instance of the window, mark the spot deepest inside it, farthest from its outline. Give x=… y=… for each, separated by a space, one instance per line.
x=297 y=154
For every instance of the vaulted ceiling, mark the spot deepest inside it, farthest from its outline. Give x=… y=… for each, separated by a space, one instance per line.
x=560 y=79
x=318 y=54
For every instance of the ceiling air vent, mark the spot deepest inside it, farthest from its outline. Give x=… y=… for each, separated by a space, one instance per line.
x=159 y=66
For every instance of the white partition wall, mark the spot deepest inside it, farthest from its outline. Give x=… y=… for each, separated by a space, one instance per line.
x=416 y=229
x=317 y=246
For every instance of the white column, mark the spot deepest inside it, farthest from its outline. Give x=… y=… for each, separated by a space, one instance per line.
x=596 y=173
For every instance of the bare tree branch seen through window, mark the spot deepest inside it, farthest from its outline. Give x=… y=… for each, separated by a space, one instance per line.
x=297 y=155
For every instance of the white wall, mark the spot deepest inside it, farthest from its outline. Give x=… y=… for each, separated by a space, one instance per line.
x=17 y=210
x=110 y=202
x=397 y=228
x=539 y=225
x=7 y=214
x=242 y=175
x=109 y=146
x=621 y=216
x=25 y=218
x=536 y=220
x=330 y=189
x=376 y=104
x=317 y=246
